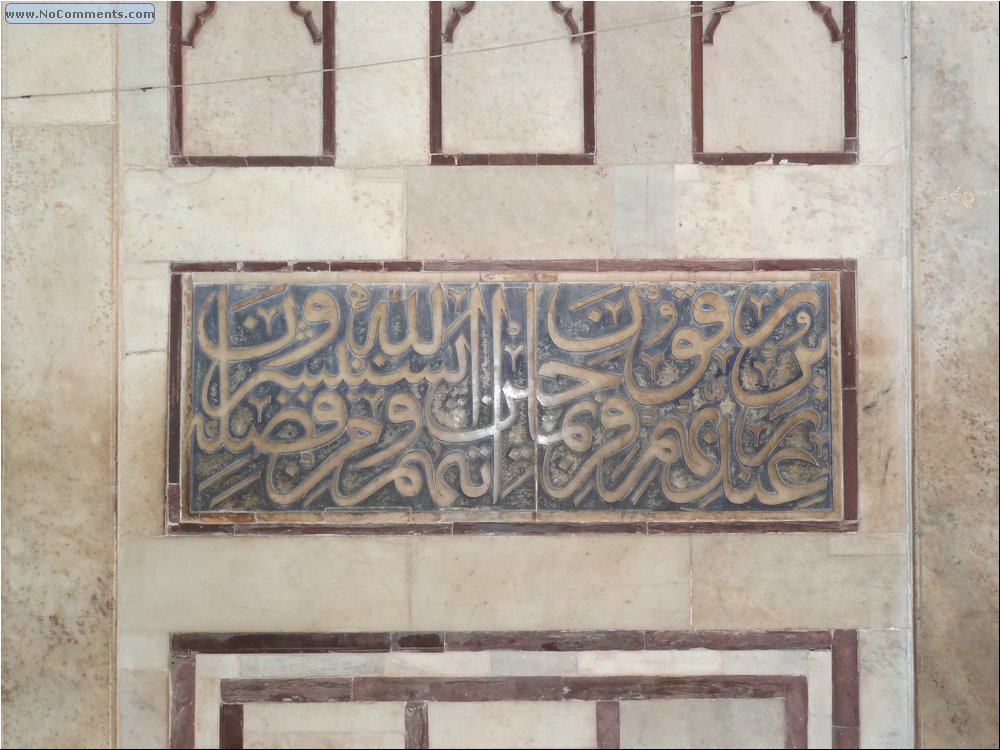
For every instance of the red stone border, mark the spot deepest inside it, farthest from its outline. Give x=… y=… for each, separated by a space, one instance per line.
x=246 y=524
x=607 y=692
x=849 y=154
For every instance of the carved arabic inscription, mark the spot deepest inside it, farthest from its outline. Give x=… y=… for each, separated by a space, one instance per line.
x=709 y=398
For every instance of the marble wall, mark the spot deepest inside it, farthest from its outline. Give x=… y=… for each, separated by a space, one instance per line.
x=94 y=185
x=955 y=230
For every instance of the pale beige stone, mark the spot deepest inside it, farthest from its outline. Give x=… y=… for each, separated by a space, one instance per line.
x=207 y=697
x=323 y=725
x=143 y=698
x=774 y=581
x=145 y=307
x=644 y=212
x=143 y=651
x=525 y=583
x=956 y=203
x=310 y=665
x=58 y=405
x=765 y=662
x=773 y=81
x=144 y=101
x=501 y=94
x=142 y=443
x=458 y=663
x=296 y=740
x=886 y=688
x=680 y=662
x=789 y=211
x=509 y=212
x=217 y=666
x=883 y=336
x=263 y=584
x=382 y=109
x=891 y=545
x=820 y=726
x=643 y=83
x=56 y=679
x=687 y=723
x=514 y=724
x=529 y=663
x=882 y=81
x=260 y=214
x=44 y=59
x=143 y=132
x=268 y=103
x=881 y=312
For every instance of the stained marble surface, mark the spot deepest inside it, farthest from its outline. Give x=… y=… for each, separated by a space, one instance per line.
x=955 y=228
x=58 y=428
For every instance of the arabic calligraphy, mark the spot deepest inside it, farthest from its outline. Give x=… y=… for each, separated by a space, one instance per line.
x=660 y=396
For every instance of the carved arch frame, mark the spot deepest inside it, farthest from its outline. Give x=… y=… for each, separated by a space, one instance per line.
x=322 y=34
x=703 y=25
x=439 y=33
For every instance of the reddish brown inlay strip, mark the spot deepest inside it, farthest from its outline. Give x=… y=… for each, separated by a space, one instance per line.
x=182 y=693
x=747 y=640
x=176 y=77
x=434 y=71
x=797 y=712
x=427 y=642
x=846 y=705
x=697 y=80
x=230 y=726
x=174 y=383
x=311 y=690
x=850 y=77
x=555 y=640
x=609 y=725
x=278 y=643
x=416 y=731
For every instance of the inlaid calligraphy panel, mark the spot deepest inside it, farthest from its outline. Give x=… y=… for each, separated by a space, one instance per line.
x=659 y=396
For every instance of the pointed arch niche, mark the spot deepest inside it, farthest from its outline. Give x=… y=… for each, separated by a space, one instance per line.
x=774 y=83
x=239 y=93
x=511 y=83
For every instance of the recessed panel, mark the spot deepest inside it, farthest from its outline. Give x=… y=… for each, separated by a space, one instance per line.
x=690 y=396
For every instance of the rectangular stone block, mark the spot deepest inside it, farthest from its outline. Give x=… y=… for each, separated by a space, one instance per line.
x=685 y=723
x=565 y=583
x=143 y=695
x=512 y=724
x=643 y=83
x=323 y=725
x=204 y=584
x=530 y=663
x=268 y=213
x=509 y=212
x=381 y=116
x=40 y=60
x=789 y=212
x=772 y=581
